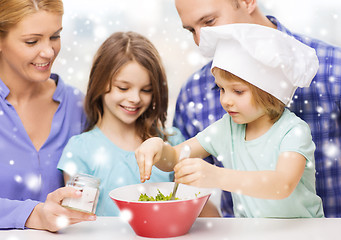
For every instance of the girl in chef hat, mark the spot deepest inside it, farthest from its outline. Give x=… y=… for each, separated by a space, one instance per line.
x=266 y=150
x=126 y=103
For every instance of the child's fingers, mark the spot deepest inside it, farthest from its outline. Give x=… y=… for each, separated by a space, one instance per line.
x=148 y=164
x=191 y=178
x=184 y=167
x=140 y=158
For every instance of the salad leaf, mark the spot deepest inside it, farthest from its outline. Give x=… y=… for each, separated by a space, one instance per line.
x=158 y=197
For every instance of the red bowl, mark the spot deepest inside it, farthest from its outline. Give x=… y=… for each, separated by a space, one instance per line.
x=160 y=219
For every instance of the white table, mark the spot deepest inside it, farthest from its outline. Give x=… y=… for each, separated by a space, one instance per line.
x=105 y=228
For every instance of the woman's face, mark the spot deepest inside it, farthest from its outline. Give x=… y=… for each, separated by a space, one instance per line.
x=30 y=48
x=130 y=96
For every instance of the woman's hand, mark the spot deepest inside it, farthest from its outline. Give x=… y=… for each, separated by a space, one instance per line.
x=197 y=172
x=147 y=154
x=51 y=216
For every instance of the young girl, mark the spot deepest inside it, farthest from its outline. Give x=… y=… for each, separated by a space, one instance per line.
x=267 y=151
x=126 y=103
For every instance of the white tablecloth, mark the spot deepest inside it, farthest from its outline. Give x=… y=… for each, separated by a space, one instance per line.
x=105 y=228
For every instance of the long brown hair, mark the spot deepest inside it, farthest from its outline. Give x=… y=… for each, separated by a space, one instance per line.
x=13 y=11
x=272 y=106
x=119 y=49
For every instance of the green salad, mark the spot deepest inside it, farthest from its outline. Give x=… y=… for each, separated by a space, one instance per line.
x=158 y=197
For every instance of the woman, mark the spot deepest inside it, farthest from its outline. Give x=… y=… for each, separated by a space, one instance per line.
x=38 y=115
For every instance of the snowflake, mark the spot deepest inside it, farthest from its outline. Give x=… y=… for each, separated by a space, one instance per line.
x=196 y=123
x=101 y=32
x=126 y=215
x=328 y=163
x=191 y=105
x=209 y=95
x=69 y=154
x=184 y=46
x=298 y=132
x=101 y=156
x=240 y=207
x=209 y=224
x=120 y=181
x=196 y=76
x=71 y=168
x=319 y=109
x=193 y=58
x=33 y=182
x=70 y=70
x=199 y=106
x=211 y=117
x=141 y=188
x=18 y=178
x=76 y=92
x=62 y=221
x=331 y=150
x=331 y=79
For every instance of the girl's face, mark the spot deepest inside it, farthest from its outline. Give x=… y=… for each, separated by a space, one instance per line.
x=30 y=48
x=236 y=99
x=130 y=95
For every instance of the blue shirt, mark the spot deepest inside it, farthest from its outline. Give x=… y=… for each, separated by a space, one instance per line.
x=94 y=154
x=319 y=105
x=28 y=175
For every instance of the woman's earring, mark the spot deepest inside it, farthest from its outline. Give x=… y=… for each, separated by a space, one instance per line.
x=154 y=104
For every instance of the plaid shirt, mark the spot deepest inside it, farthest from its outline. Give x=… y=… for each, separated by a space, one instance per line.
x=319 y=105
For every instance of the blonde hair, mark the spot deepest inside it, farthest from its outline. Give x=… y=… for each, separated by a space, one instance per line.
x=13 y=11
x=272 y=106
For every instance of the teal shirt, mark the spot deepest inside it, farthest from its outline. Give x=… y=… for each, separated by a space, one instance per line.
x=93 y=153
x=226 y=140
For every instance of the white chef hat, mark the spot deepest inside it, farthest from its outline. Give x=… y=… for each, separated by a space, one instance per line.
x=265 y=57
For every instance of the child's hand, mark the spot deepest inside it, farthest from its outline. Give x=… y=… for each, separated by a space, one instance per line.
x=196 y=172
x=148 y=154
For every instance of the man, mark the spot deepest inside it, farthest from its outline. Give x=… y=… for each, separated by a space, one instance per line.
x=319 y=105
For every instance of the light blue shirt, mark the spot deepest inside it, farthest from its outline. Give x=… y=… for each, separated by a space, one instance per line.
x=28 y=175
x=226 y=140
x=94 y=154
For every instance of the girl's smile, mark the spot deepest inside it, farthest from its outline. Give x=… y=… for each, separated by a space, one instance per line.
x=130 y=95
x=130 y=110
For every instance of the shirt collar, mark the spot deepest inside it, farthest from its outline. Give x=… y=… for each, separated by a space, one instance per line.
x=280 y=27
x=4 y=90
x=57 y=96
